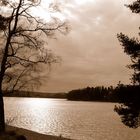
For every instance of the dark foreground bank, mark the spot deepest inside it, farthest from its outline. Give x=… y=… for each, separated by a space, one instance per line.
x=14 y=133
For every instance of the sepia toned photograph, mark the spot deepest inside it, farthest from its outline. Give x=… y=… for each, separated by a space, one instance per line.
x=69 y=69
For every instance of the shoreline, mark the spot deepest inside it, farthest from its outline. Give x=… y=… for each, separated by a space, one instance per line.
x=31 y=135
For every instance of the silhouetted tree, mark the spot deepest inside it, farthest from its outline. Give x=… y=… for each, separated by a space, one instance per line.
x=129 y=96
x=22 y=50
x=131 y=46
x=129 y=108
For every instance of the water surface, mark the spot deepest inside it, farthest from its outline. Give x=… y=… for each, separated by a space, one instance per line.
x=77 y=120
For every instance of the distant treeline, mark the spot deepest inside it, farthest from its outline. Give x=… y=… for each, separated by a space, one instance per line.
x=121 y=93
x=34 y=94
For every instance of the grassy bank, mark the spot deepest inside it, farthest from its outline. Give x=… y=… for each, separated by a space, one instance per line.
x=14 y=133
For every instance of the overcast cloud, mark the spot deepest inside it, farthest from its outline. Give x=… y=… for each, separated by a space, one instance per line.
x=91 y=54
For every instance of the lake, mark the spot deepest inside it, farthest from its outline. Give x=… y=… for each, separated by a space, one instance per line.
x=71 y=119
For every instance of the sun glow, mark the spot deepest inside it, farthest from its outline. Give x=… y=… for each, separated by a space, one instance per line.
x=45 y=12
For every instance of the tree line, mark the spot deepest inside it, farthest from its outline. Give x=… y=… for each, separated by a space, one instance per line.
x=128 y=97
x=34 y=94
x=120 y=93
x=99 y=93
x=23 y=52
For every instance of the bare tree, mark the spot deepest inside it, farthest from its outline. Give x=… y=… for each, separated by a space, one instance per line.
x=22 y=50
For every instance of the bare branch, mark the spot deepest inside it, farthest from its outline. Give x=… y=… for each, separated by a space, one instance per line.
x=24 y=51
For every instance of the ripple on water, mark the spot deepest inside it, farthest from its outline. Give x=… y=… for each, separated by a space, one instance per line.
x=78 y=120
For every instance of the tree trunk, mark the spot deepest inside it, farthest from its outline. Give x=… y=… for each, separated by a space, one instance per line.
x=2 y=119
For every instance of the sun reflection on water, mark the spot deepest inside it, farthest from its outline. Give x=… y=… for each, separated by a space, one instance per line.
x=77 y=120
x=37 y=115
x=40 y=102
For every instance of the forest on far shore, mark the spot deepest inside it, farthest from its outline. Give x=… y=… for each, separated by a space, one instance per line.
x=100 y=93
x=106 y=94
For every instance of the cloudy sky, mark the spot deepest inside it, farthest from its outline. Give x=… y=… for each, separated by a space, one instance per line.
x=91 y=54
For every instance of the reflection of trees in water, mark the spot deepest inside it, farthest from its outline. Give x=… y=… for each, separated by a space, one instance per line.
x=129 y=108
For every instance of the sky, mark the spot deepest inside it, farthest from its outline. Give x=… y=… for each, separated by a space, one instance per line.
x=91 y=53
